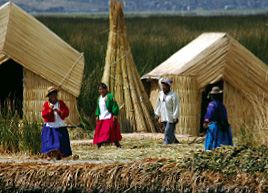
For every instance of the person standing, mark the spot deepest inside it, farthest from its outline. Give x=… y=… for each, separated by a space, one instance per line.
x=216 y=122
x=55 y=136
x=107 y=129
x=167 y=106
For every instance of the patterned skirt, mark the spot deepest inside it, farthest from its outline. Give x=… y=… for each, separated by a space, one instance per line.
x=56 y=139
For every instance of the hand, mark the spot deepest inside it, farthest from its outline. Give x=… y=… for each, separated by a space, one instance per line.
x=176 y=120
x=97 y=120
x=115 y=119
x=205 y=125
x=51 y=107
x=58 y=111
x=156 y=117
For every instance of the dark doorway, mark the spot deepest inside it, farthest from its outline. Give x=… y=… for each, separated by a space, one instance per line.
x=11 y=81
x=206 y=100
x=147 y=85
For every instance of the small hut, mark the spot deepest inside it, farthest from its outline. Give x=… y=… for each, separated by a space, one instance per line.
x=123 y=80
x=33 y=58
x=209 y=60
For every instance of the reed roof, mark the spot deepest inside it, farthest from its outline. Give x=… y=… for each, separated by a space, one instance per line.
x=214 y=56
x=31 y=44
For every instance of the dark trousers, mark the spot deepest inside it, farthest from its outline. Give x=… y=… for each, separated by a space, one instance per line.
x=169 y=132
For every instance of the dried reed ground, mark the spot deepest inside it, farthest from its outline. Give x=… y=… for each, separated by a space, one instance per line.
x=144 y=164
x=164 y=170
x=135 y=146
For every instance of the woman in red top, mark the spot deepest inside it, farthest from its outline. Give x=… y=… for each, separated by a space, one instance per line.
x=55 y=136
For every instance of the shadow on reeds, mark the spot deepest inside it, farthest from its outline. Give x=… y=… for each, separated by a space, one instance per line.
x=18 y=135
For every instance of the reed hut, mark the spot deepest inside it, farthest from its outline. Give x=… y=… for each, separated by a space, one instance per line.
x=122 y=78
x=33 y=58
x=211 y=59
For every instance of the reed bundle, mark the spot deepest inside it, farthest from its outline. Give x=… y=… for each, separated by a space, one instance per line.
x=211 y=171
x=121 y=76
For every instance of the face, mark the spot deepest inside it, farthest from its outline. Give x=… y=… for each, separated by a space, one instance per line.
x=102 y=91
x=53 y=97
x=165 y=88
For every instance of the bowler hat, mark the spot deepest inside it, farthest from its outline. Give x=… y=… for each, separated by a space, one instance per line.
x=51 y=89
x=215 y=90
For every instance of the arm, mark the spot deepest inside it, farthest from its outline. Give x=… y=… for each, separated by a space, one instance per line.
x=210 y=112
x=157 y=111
x=47 y=112
x=64 y=110
x=176 y=107
x=97 y=113
x=115 y=107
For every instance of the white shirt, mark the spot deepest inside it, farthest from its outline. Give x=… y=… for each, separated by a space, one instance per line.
x=58 y=121
x=167 y=106
x=104 y=113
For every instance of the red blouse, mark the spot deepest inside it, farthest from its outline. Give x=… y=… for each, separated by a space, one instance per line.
x=48 y=114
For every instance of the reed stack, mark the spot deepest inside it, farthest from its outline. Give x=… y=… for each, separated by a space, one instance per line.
x=123 y=80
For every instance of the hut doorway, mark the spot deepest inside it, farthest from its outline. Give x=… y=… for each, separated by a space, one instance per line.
x=11 y=79
x=206 y=100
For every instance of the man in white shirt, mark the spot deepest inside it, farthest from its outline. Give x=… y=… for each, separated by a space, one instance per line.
x=167 y=106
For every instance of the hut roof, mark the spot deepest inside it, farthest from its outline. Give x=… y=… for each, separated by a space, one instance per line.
x=31 y=44
x=213 y=56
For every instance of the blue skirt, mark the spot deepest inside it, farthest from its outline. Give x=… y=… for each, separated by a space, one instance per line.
x=56 y=139
x=216 y=137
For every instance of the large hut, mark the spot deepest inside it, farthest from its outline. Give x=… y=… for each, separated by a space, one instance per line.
x=123 y=80
x=211 y=59
x=33 y=58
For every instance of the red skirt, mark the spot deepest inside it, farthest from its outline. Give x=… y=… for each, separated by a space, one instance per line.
x=107 y=132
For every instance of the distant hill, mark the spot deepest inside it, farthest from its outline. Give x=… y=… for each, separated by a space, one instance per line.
x=33 y=6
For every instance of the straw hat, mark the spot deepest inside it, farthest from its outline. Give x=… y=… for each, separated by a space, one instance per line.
x=51 y=89
x=167 y=81
x=215 y=90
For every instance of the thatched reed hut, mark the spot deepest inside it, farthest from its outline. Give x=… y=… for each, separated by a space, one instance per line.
x=211 y=59
x=32 y=58
x=121 y=76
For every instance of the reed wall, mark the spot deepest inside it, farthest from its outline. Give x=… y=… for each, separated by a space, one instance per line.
x=189 y=99
x=239 y=109
x=35 y=88
x=190 y=103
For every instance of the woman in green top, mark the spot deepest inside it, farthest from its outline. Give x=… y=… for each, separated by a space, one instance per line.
x=107 y=129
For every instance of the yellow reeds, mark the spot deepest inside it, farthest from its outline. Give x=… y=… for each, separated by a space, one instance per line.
x=32 y=45
x=190 y=103
x=123 y=80
x=254 y=133
x=34 y=98
x=147 y=175
x=238 y=106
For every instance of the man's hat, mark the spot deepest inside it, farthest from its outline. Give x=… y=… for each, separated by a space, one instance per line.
x=51 y=89
x=215 y=90
x=167 y=81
